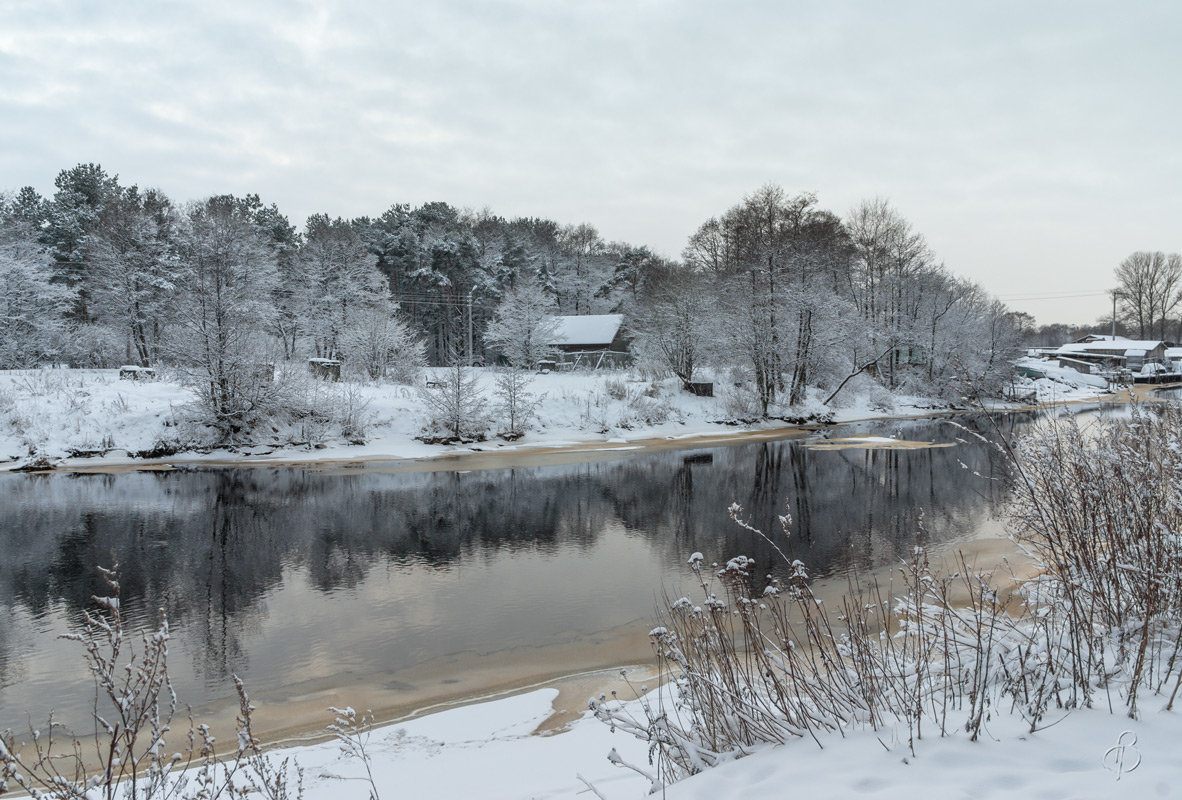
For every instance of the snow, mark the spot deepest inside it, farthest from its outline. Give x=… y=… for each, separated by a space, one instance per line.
x=1126 y=345
x=1061 y=384
x=54 y=413
x=485 y=750
x=589 y=329
x=489 y=750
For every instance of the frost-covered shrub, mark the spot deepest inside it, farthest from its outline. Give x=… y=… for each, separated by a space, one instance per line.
x=457 y=409
x=880 y=398
x=763 y=661
x=740 y=401
x=1100 y=509
x=134 y=751
x=643 y=408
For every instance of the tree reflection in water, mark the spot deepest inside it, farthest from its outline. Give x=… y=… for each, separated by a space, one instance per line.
x=214 y=548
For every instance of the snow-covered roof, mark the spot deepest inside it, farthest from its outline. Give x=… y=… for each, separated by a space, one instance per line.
x=587 y=329
x=1099 y=337
x=1119 y=345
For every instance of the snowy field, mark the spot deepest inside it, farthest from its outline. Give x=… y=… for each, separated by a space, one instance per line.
x=92 y=418
x=487 y=751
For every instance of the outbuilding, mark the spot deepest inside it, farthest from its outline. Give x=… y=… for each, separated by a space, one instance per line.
x=591 y=340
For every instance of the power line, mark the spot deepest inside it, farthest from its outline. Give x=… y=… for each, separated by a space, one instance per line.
x=1069 y=296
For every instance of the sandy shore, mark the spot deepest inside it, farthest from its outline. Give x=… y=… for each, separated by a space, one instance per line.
x=500 y=455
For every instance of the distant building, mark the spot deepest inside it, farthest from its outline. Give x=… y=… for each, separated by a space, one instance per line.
x=591 y=340
x=1114 y=351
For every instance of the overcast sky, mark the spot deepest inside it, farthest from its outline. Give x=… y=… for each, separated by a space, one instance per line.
x=1034 y=144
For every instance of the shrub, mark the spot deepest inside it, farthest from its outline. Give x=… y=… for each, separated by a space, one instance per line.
x=134 y=708
x=1100 y=512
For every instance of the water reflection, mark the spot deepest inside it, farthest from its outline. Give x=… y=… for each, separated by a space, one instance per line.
x=289 y=575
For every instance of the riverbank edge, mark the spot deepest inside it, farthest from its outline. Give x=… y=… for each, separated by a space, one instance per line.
x=492 y=455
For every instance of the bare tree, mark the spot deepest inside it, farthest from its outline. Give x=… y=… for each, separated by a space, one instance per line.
x=672 y=328
x=1148 y=286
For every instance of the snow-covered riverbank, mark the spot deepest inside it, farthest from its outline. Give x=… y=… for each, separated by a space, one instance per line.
x=489 y=750
x=91 y=419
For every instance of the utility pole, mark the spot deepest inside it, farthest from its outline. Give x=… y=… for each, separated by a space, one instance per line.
x=1114 y=315
x=470 y=291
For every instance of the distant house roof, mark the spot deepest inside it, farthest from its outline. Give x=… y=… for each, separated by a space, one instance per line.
x=589 y=329
x=1098 y=337
x=1117 y=346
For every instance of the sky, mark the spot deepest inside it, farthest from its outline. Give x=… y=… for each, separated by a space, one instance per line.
x=1035 y=145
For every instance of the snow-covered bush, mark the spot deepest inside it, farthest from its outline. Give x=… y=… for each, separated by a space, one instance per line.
x=1100 y=509
x=759 y=662
x=92 y=346
x=740 y=400
x=456 y=406
x=646 y=407
x=379 y=344
x=516 y=406
x=133 y=751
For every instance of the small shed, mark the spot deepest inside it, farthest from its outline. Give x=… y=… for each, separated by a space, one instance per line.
x=592 y=340
x=1076 y=364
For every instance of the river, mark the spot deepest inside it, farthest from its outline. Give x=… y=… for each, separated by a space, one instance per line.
x=396 y=589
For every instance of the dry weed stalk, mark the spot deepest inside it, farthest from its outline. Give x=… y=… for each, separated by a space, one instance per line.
x=1101 y=514
x=133 y=711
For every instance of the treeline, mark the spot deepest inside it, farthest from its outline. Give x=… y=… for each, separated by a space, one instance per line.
x=799 y=298
x=784 y=293
x=98 y=270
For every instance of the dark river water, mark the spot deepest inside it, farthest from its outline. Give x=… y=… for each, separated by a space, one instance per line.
x=415 y=586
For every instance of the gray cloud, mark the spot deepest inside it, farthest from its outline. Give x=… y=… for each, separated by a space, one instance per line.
x=1034 y=144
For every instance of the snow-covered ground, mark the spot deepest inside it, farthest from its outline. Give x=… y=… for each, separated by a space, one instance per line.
x=72 y=415
x=487 y=751
x=1061 y=384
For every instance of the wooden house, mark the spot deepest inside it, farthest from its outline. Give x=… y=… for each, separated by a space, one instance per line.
x=591 y=340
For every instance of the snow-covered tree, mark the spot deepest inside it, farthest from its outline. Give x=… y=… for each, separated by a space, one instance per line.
x=380 y=344
x=134 y=269
x=523 y=326
x=223 y=313
x=337 y=279
x=456 y=406
x=32 y=307
x=516 y=404
x=72 y=218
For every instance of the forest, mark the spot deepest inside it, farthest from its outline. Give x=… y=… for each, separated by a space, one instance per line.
x=777 y=293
